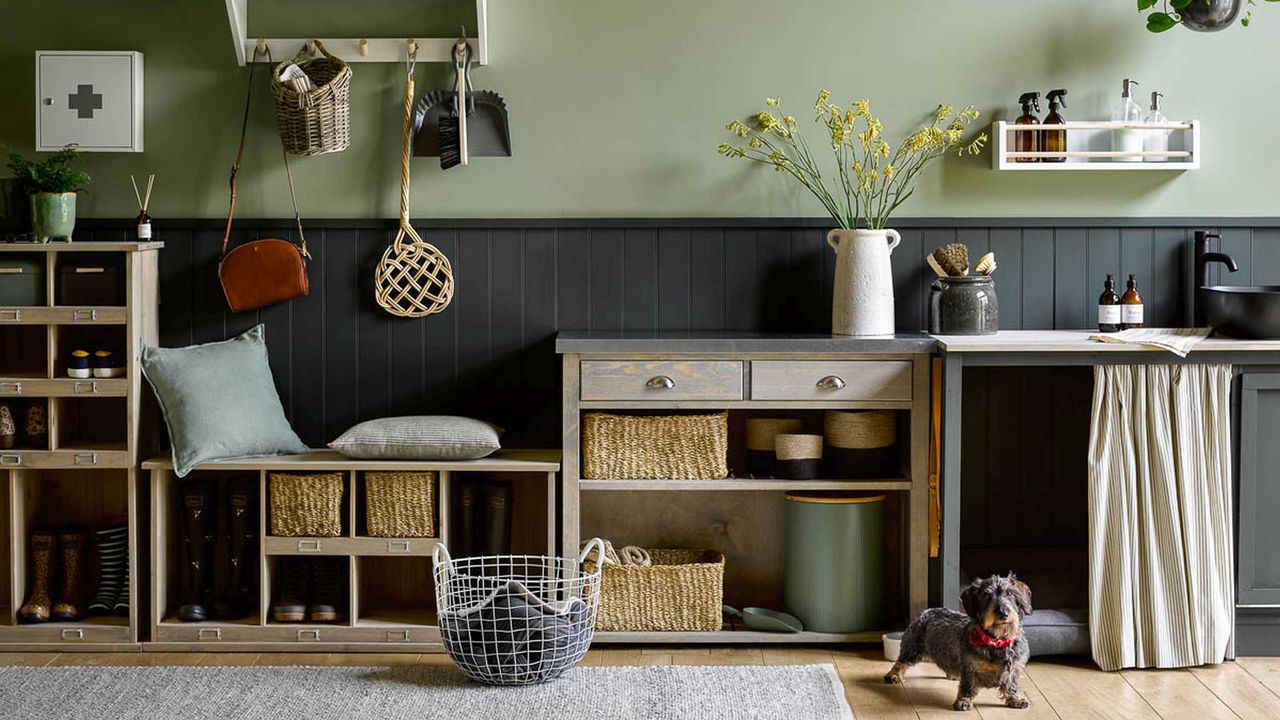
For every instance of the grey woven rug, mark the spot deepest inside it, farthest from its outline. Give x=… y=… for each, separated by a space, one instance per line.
x=800 y=692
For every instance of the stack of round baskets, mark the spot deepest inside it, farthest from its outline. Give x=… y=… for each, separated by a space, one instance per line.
x=317 y=121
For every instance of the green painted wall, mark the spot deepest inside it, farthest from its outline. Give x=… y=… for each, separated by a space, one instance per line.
x=617 y=106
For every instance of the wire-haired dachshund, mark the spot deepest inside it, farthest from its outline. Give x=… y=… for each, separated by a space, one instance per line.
x=982 y=647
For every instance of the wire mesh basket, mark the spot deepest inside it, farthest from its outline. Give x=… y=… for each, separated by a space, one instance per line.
x=516 y=619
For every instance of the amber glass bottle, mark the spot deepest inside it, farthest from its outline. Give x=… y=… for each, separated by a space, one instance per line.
x=1055 y=140
x=1029 y=140
x=1109 y=308
x=1131 y=315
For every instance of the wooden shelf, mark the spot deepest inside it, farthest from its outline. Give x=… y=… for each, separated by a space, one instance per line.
x=349 y=546
x=733 y=637
x=1089 y=147
x=81 y=246
x=39 y=385
x=62 y=315
x=760 y=484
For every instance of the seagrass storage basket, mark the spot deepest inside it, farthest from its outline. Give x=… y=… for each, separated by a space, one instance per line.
x=306 y=505
x=400 y=504
x=680 y=591
x=655 y=447
x=316 y=121
x=861 y=444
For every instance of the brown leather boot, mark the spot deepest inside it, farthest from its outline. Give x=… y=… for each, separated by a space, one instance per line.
x=290 y=601
x=8 y=428
x=71 y=599
x=328 y=585
x=44 y=551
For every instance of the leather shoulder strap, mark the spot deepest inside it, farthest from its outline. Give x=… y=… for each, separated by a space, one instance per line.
x=235 y=169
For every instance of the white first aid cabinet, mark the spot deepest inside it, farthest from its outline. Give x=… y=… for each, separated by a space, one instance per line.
x=91 y=99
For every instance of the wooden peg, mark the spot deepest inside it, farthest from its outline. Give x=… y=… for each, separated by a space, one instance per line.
x=364 y=47
x=262 y=47
x=311 y=47
x=413 y=47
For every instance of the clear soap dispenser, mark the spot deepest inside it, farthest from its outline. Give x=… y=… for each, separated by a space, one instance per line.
x=1129 y=140
x=1156 y=140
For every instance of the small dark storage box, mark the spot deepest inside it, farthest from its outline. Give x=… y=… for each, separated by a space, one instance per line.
x=90 y=281
x=21 y=280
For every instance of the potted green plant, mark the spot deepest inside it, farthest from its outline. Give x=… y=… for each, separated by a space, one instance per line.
x=872 y=179
x=52 y=184
x=1198 y=15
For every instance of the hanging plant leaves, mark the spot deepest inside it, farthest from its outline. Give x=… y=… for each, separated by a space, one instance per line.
x=1146 y=4
x=1179 y=4
x=1160 y=22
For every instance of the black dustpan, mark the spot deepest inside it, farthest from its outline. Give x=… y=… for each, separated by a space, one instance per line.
x=487 y=133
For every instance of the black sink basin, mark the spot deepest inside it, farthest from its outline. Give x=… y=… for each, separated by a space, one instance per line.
x=1246 y=311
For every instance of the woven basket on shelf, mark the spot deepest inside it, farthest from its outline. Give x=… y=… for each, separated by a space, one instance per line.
x=306 y=505
x=317 y=121
x=655 y=447
x=861 y=444
x=400 y=504
x=760 y=441
x=681 y=591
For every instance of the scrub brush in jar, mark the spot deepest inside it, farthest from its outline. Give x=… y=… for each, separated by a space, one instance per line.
x=953 y=259
x=986 y=264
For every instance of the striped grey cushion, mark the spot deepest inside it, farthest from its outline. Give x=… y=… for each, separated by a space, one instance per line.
x=423 y=437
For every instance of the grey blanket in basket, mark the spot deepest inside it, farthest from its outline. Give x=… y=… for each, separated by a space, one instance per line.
x=512 y=636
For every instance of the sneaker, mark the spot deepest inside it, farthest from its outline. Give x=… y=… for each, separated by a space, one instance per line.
x=78 y=364
x=105 y=365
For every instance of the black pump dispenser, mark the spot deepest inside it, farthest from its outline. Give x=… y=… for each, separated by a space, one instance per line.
x=1029 y=140
x=1055 y=140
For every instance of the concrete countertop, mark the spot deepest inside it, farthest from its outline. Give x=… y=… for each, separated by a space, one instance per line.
x=595 y=342
x=1068 y=341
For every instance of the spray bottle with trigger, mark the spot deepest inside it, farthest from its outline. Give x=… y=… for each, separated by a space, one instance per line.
x=1055 y=140
x=1029 y=140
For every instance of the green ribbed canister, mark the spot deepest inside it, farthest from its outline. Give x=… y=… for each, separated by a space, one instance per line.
x=834 y=560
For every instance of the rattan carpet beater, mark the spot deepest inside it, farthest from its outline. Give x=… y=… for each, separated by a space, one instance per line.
x=413 y=279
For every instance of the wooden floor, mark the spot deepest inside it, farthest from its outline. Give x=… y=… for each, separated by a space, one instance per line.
x=1066 y=689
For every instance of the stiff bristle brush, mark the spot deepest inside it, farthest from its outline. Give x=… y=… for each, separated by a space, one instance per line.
x=453 y=128
x=953 y=259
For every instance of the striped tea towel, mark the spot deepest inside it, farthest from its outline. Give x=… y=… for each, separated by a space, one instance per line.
x=1178 y=341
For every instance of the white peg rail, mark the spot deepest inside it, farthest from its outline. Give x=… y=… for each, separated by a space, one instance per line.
x=1089 y=147
x=355 y=50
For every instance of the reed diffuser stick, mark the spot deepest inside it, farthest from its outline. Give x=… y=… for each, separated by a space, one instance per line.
x=146 y=201
x=136 y=194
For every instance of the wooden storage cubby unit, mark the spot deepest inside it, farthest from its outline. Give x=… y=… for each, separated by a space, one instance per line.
x=743 y=515
x=390 y=600
x=58 y=499
x=82 y=471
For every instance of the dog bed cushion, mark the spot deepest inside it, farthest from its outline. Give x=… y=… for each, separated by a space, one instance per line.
x=219 y=401
x=423 y=437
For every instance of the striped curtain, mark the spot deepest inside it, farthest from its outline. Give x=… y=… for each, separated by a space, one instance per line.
x=1160 y=547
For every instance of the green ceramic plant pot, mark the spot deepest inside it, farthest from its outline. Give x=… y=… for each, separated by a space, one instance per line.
x=53 y=215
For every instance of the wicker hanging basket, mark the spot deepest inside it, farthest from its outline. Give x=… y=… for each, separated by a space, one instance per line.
x=318 y=120
x=413 y=279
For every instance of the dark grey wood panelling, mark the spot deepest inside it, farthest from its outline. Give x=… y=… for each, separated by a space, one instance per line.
x=338 y=359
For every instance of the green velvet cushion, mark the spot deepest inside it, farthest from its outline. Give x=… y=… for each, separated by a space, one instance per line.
x=219 y=401
x=424 y=437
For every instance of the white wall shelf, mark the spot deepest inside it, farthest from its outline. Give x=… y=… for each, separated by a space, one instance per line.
x=1089 y=147
x=355 y=50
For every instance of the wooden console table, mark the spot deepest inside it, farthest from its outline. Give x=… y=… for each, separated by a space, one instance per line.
x=742 y=515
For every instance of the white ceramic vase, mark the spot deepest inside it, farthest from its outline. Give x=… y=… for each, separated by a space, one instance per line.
x=862 y=303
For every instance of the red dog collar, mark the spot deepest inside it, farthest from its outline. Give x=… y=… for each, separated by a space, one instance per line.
x=980 y=638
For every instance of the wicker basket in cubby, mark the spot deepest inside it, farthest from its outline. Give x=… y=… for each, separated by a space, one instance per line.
x=400 y=504
x=655 y=447
x=679 y=591
x=306 y=505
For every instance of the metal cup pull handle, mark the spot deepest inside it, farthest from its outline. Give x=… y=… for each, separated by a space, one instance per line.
x=398 y=636
x=86 y=458
x=11 y=388
x=398 y=546
x=11 y=460
x=85 y=315
x=832 y=382
x=310 y=634
x=10 y=315
x=210 y=634
x=86 y=387
x=312 y=546
x=72 y=634
x=661 y=382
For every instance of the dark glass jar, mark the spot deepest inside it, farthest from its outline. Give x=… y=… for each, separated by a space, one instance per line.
x=963 y=306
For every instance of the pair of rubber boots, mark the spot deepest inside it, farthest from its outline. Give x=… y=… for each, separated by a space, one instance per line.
x=58 y=563
x=218 y=557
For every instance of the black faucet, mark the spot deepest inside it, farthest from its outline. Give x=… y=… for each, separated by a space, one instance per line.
x=1203 y=258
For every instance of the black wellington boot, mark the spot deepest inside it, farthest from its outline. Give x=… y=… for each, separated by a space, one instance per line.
x=197 y=537
x=498 y=500
x=241 y=549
